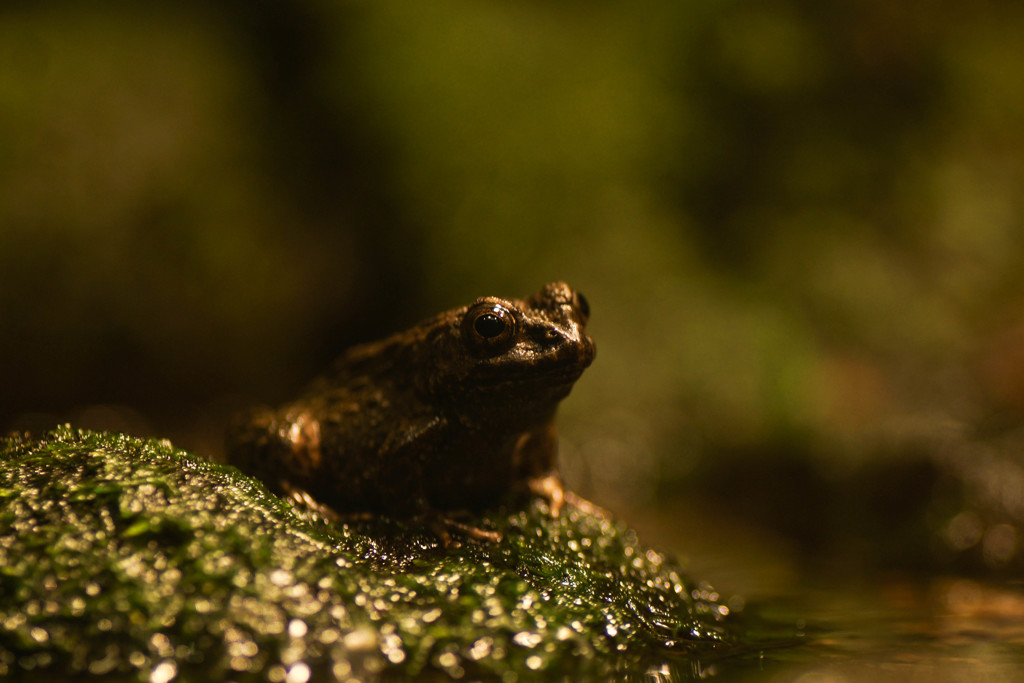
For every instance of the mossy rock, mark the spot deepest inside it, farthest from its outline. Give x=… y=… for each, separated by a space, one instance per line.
x=128 y=558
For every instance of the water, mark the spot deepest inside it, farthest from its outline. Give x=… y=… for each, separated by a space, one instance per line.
x=828 y=623
x=934 y=630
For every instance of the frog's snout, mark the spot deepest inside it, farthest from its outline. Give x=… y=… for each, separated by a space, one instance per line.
x=586 y=350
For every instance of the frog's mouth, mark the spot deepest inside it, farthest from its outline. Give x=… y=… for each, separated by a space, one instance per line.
x=555 y=368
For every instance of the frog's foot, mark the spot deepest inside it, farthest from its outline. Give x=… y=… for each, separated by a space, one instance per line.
x=585 y=506
x=445 y=527
x=550 y=488
x=301 y=499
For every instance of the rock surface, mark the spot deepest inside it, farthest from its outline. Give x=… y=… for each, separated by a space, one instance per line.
x=128 y=558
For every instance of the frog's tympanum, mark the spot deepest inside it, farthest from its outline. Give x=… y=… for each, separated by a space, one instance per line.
x=452 y=414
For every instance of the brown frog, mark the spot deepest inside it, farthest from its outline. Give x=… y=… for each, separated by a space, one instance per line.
x=450 y=415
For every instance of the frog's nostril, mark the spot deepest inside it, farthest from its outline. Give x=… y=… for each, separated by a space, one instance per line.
x=546 y=336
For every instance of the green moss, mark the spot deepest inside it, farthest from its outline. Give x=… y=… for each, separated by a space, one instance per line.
x=122 y=556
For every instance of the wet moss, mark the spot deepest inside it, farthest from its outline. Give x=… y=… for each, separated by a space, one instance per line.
x=128 y=558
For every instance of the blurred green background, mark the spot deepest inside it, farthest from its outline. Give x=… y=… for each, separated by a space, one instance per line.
x=799 y=225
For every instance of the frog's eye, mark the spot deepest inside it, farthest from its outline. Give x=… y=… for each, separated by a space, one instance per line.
x=489 y=328
x=582 y=305
x=489 y=325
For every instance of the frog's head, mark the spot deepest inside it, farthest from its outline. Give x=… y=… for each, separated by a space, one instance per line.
x=518 y=351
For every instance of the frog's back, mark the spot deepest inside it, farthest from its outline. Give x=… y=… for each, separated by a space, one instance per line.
x=334 y=441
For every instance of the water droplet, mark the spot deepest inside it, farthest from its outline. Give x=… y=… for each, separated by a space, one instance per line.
x=527 y=639
x=163 y=672
x=299 y=673
x=297 y=628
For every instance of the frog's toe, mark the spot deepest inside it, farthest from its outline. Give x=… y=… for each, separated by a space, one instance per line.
x=304 y=502
x=585 y=506
x=447 y=528
x=551 y=489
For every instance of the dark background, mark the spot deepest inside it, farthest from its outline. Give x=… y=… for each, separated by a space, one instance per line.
x=799 y=225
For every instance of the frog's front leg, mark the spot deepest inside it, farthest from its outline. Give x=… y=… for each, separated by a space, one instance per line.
x=534 y=457
x=536 y=454
x=551 y=489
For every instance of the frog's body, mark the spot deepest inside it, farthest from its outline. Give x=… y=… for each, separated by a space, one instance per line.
x=451 y=414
